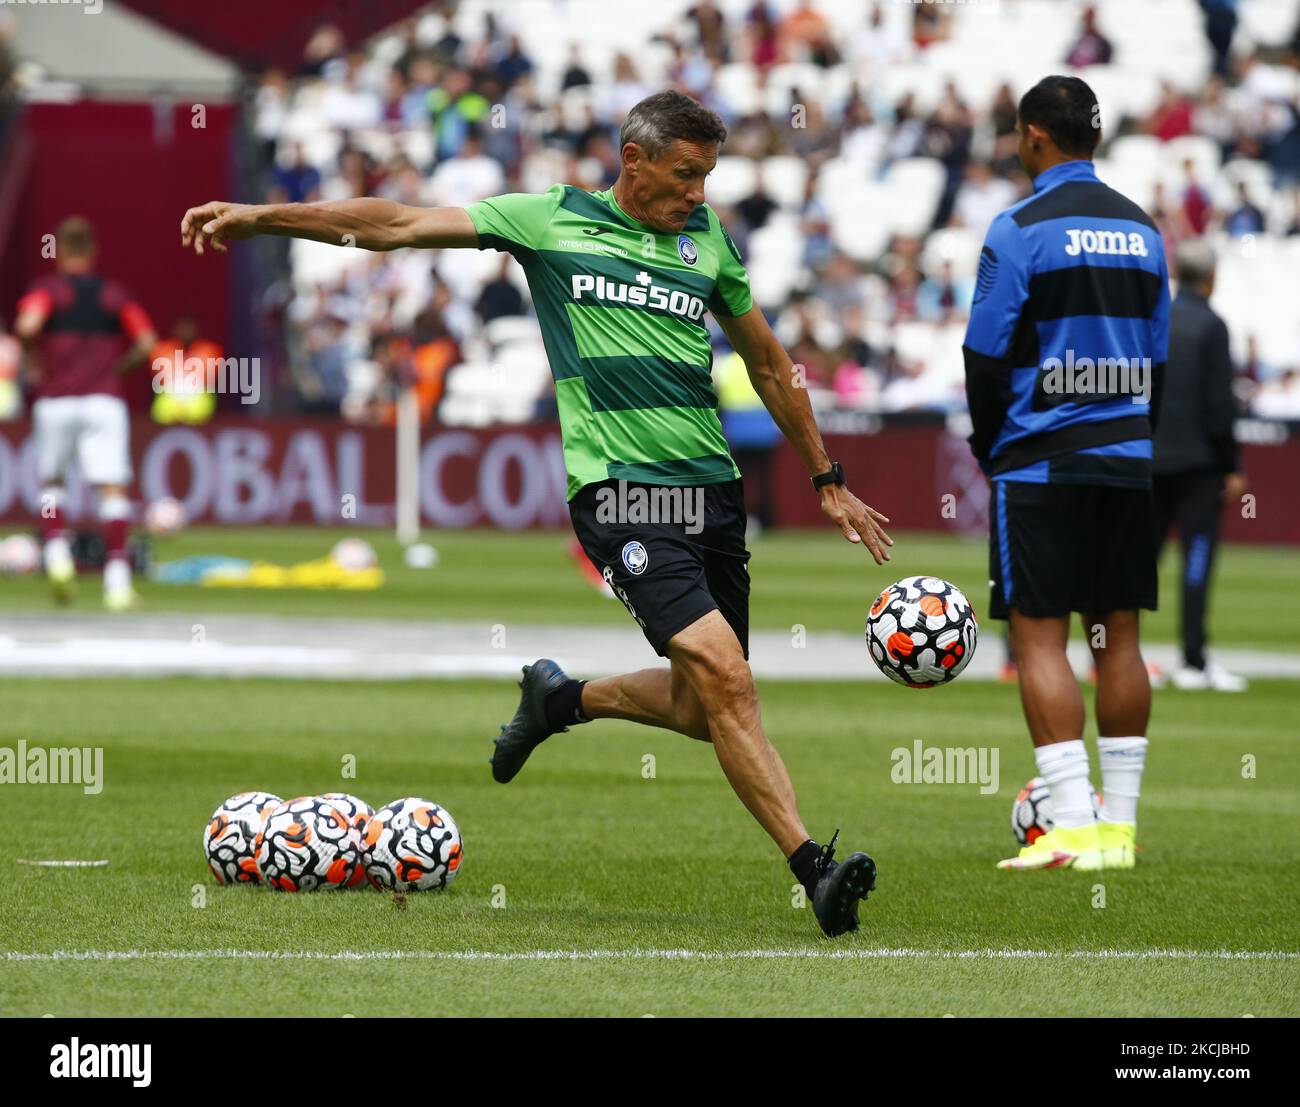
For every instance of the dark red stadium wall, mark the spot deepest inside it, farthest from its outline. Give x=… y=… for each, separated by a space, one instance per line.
x=241 y=471
x=132 y=172
x=257 y=33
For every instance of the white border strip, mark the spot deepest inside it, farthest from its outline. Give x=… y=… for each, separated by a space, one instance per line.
x=651 y=955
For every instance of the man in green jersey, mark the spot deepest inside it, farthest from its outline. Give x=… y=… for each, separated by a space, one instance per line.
x=621 y=280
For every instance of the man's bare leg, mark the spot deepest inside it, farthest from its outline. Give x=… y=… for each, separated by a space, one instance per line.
x=1053 y=705
x=1049 y=692
x=1123 y=686
x=709 y=657
x=655 y=697
x=1123 y=712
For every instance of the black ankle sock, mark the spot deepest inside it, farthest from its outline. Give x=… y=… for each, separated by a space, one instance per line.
x=803 y=863
x=564 y=705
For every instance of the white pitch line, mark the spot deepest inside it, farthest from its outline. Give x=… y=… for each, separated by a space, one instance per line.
x=652 y=955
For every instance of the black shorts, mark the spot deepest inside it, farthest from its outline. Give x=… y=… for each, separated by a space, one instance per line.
x=673 y=571
x=1057 y=548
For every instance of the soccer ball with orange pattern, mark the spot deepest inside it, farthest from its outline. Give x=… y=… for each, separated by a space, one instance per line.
x=307 y=844
x=921 y=632
x=358 y=812
x=412 y=845
x=229 y=837
x=1031 y=811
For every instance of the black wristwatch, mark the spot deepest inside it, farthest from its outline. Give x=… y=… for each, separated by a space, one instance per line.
x=833 y=475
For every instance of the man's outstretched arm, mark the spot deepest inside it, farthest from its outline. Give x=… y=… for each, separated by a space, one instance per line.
x=370 y=224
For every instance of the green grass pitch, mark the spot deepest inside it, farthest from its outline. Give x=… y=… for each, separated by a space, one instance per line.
x=813 y=578
x=583 y=853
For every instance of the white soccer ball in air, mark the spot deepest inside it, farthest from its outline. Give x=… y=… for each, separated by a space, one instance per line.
x=921 y=631
x=20 y=554
x=164 y=516
x=307 y=844
x=358 y=813
x=412 y=845
x=230 y=836
x=355 y=554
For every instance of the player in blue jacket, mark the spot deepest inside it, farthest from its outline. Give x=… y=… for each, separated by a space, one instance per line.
x=1065 y=354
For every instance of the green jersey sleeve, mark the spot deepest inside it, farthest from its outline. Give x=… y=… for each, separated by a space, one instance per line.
x=731 y=296
x=515 y=222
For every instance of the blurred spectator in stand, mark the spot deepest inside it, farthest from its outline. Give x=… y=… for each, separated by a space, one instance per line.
x=512 y=64
x=710 y=31
x=806 y=36
x=1196 y=208
x=433 y=357
x=879 y=45
x=185 y=397
x=1091 y=47
x=930 y=23
x=981 y=197
x=325 y=45
x=947 y=138
x=500 y=296
x=576 y=75
x=1245 y=218
x=472 y=176
x=348 y=103
x=1212 y=117
x=815 y=226
x=757 y=206
x=627 y=91
x=764 y=43
x=1220 y=25
x=814 y=141
x=1172 y=116
x=841 y=285
x=454 y=107
x=270 y=106
x=944 y=299
x=1005 y=140
x=295 y=183
x=905 y=293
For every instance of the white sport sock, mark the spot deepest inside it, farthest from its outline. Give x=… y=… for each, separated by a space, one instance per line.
x=1122 y=761
x=57 y=551
x=117 y=574
x=1064 y=767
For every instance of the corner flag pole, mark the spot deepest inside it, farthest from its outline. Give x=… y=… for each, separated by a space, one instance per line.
x=408 y=466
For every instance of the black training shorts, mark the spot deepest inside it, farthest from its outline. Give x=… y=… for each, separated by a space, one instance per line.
x=672 y=571
x=1058 y=548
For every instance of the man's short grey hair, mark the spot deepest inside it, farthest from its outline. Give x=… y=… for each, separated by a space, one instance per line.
x=662 y=119
x=1194 y=262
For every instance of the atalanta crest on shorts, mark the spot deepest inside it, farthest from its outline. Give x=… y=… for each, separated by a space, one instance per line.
x=635 y=558
x=686 y=247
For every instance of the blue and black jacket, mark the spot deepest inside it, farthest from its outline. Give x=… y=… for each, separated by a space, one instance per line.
x=1071 y=276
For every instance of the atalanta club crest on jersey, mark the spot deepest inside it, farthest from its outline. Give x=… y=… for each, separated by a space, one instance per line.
x=686 y=247
x=635 y=558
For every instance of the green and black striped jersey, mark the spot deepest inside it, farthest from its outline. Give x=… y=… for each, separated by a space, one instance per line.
x=621 y=308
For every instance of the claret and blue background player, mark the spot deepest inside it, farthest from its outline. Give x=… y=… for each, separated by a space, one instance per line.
x=621 y=280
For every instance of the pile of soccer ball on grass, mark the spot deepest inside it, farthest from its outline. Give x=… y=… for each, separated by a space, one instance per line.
x=333 y=840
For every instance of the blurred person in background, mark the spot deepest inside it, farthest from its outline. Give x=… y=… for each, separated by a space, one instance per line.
x=1196 y=466
x=181 y=396
x=1091 y=47
x=82 y=333
x=11 y=360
